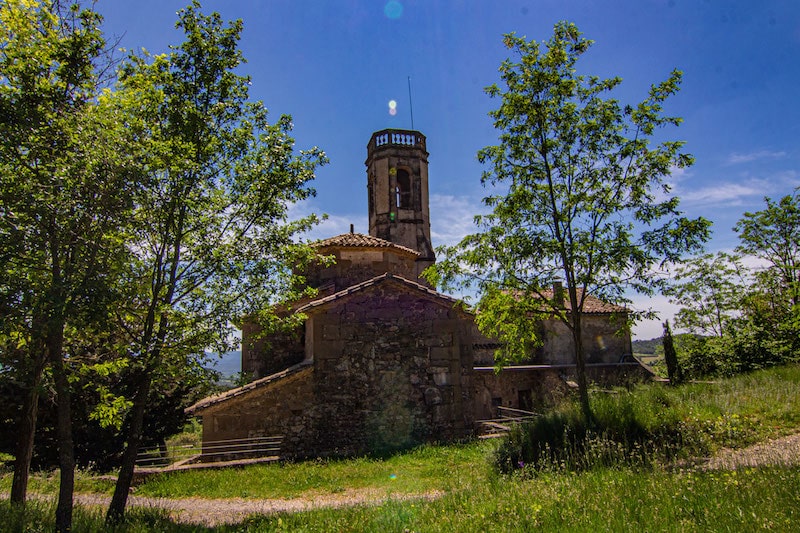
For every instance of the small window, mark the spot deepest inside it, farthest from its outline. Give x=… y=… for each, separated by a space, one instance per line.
x=403 y=189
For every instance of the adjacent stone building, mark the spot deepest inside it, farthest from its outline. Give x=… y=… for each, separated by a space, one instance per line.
x=383 y=361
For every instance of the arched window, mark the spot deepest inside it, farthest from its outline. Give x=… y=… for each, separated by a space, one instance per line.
x=403 y=190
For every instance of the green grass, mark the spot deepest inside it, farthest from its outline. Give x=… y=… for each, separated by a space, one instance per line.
x=597 y=500
x=602 y=500
x=733 y=413
x=657 y=423
x=423 y=469
x=47 y=482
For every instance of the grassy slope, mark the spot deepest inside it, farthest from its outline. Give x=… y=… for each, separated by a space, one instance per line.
x=734 y=412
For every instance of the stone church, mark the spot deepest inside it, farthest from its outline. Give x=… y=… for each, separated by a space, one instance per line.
x=384 y=361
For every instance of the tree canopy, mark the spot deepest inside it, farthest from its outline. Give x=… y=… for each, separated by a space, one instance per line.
x=578 y=193
x=211 y=239
x=138 y=221
x=744 y=318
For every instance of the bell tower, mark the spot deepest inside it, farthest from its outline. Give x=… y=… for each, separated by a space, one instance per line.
x=397 y=188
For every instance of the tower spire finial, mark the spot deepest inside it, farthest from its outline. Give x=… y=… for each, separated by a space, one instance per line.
x=410 y=103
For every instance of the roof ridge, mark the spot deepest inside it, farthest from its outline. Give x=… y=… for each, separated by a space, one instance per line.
x=361 y=240
x=232 y=393
x=372 y=281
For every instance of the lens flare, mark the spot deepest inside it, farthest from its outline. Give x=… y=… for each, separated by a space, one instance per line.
x=393 y=9
x=392 y=476
x=392 y=107
x=601 y=342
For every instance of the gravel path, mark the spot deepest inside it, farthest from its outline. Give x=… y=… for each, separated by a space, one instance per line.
x=784 y=451
x=211 y=513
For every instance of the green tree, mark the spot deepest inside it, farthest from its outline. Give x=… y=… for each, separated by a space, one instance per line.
x=674 y=370
x=212 y=239
x=578 y=193
x=773 y=234
x=744 y=319
x=62 y=196
x=770 y=328
x=709 y=289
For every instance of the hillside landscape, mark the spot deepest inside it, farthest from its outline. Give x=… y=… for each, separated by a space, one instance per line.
x=458 y=488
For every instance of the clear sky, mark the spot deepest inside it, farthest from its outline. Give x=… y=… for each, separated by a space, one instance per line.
x=335 y=65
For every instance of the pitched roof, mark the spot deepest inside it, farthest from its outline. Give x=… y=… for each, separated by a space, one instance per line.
x=592 y=304
x=359 y=240
x=207 y=402
x=388 y=276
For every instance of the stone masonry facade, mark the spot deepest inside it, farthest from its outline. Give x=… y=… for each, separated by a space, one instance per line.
x=382 y=361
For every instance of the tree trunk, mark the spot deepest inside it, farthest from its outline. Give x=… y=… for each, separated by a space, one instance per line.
x=116 y=509
x=26 y=432
x=580 y=371
x=580 y=355
x=66 y=451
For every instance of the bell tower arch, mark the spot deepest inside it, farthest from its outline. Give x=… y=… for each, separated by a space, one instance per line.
x=397 y=189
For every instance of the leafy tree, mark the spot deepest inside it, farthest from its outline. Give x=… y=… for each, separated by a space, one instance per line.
x=772 y=307
x=62 y=195
x=578 y=193
x=709 y=289
x=674 y=370
x=773 y=234
x=744 y=319
x=211 y=239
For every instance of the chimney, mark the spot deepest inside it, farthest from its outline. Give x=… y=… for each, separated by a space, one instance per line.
x=558 y=294
x=351 y=229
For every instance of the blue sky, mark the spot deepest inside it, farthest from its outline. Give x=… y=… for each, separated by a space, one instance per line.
x=335 y=65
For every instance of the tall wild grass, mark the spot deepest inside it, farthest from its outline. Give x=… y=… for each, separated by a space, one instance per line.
x=653 y=424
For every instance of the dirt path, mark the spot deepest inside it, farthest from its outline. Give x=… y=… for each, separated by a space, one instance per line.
x=784 y=451
x=211 y=513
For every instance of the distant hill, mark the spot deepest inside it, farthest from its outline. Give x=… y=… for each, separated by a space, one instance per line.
x=647 y=347
x=229 y=364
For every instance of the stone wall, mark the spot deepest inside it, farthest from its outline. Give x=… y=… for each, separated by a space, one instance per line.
x=535 y=388
x=279 y=407
x=606 y=339
x=265 y=355
x=354 y=266
x=392 y=368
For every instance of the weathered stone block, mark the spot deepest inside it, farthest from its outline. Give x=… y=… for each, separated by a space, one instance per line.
x=433 y=396
x=442 y=378
x=441 y=356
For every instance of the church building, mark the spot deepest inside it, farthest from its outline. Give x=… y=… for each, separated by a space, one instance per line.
x=383 y=361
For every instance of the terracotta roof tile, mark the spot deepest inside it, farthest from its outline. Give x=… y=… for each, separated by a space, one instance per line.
x=359 y=240
x=592 y=304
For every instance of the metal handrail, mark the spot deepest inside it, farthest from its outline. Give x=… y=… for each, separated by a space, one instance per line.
x=154 y=454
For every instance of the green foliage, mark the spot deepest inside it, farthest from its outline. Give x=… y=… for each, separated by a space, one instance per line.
x=647 y=347
x=65 y=198
x=212 y=239
x=626 y=491
x=751 y=499
x=577 y=191
x=750 y=315
x=773 y=234
x=674 y=369
x=709 y=289
x=504 y=315
x=653 y=424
